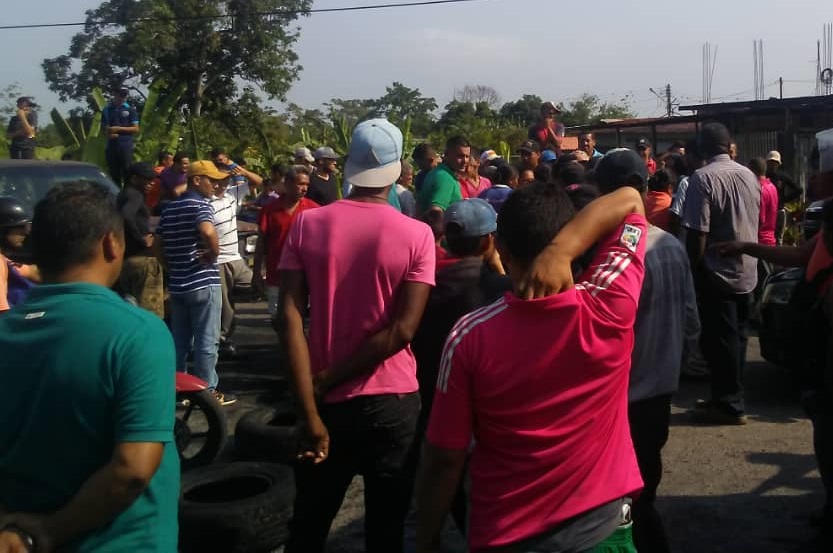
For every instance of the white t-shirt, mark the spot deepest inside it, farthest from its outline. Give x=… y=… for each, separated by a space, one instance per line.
x=225 y=220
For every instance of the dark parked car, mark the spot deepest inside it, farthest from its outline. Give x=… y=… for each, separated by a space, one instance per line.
x=774 y=331
x=30 y=180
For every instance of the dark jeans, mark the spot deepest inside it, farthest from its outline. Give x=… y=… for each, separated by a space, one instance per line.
x=649 y=420
x=119 y=157
x=21 y=152
x=371 y=436
x=724 y=318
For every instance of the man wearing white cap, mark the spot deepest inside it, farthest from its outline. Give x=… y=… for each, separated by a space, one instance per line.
x=788 y=190
x=304 y=157
x=324 y=187
x=369 y=270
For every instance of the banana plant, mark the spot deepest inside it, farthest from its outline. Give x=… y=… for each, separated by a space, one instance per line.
x=87 y=144
x=407 y=138
x=342 y=136
x=505 y=150
x=160 y=126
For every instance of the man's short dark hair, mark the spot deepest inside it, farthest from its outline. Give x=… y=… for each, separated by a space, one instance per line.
x=218 y=152
x=659 y=181
x=505 y=174
x=68 y=223
x=179 y=156
x=457 y=142
x=758 y=166
x=461 y=246
x=162 y=156
x=543 y=172
x=714 y=139
x=530 y=219
x=422 y=150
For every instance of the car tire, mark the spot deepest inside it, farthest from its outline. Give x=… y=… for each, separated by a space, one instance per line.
x=268 y=434
x=235 y=508
x=215 y=436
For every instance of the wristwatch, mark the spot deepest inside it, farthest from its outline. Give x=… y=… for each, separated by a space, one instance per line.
x=27 y=538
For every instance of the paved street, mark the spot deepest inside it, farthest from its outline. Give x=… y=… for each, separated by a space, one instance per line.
x=725 y=489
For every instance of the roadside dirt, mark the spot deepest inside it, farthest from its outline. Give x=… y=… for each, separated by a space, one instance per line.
x=725 y=489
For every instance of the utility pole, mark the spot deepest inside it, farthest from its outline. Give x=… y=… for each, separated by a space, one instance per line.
x=669 y=106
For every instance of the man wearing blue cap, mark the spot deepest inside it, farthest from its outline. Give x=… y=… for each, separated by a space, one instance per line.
x=462 y=287
x=355 y=378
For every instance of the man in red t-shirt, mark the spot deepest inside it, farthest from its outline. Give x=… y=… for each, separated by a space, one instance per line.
x=547 y=131
x=273 y=226
x=541 y=385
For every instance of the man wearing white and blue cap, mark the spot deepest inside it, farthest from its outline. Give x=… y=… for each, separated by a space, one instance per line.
x=369 y=271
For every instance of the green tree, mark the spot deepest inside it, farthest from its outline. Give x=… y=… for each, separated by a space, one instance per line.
x=207 y=45
x=353 y=111
x=588 y=109
x=523 y=112
x=401 y=103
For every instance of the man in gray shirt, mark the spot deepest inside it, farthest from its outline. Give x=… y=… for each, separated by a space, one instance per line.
x=666 y=323
x=723 y=204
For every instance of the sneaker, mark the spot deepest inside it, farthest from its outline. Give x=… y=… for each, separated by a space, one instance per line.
x=713 y=412
x=225 y=399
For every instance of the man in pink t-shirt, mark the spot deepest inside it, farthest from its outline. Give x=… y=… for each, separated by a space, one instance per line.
x=541 y=386
x=768 y=218
x=368 y=270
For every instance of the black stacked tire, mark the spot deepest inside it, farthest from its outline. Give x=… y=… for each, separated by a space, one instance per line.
x=204 y=411
x=235 y=508
x=268 y=434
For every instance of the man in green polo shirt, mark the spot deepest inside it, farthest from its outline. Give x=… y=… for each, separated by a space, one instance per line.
x=87 y=459
x=441 y=187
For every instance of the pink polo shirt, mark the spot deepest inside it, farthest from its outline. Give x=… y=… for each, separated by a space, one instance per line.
x=542 y=386
x=356 y=256
x=768 y=219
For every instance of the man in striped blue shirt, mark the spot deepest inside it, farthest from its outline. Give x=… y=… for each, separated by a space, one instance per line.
x=191 y=248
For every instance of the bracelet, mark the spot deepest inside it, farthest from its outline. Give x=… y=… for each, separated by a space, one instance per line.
x=24 y=535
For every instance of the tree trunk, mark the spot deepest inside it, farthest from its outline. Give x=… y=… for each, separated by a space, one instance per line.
x=199 y=91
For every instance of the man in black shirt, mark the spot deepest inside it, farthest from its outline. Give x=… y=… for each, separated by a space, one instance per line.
x=323 y=184
x=22 y=128
x=141 y=275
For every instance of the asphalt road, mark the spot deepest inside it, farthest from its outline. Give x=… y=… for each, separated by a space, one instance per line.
x=725 y=489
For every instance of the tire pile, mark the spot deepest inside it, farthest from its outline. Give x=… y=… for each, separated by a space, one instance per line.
x=244 y=506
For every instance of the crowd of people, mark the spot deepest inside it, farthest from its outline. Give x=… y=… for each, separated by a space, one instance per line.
x=500 y=342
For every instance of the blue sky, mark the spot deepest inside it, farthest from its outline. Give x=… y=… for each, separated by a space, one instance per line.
x=554 y=49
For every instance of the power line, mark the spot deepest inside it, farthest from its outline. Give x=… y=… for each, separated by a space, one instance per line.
x=286 y=13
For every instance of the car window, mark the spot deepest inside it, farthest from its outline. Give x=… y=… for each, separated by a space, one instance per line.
x=30 y=183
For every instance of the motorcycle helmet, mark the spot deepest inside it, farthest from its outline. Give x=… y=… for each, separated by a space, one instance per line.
x=12 y=213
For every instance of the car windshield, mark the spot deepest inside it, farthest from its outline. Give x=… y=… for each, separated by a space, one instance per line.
x=30 y=182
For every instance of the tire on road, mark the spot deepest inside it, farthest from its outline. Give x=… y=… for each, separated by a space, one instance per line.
x=214 y=436
x=235 y=508
x=268 y=434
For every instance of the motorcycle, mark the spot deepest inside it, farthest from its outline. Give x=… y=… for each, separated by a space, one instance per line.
x=200 y=428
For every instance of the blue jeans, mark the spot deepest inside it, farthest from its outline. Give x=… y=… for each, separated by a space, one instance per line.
x=195 y=322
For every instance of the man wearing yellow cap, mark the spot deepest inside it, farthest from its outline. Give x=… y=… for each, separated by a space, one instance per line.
x=191 y=248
